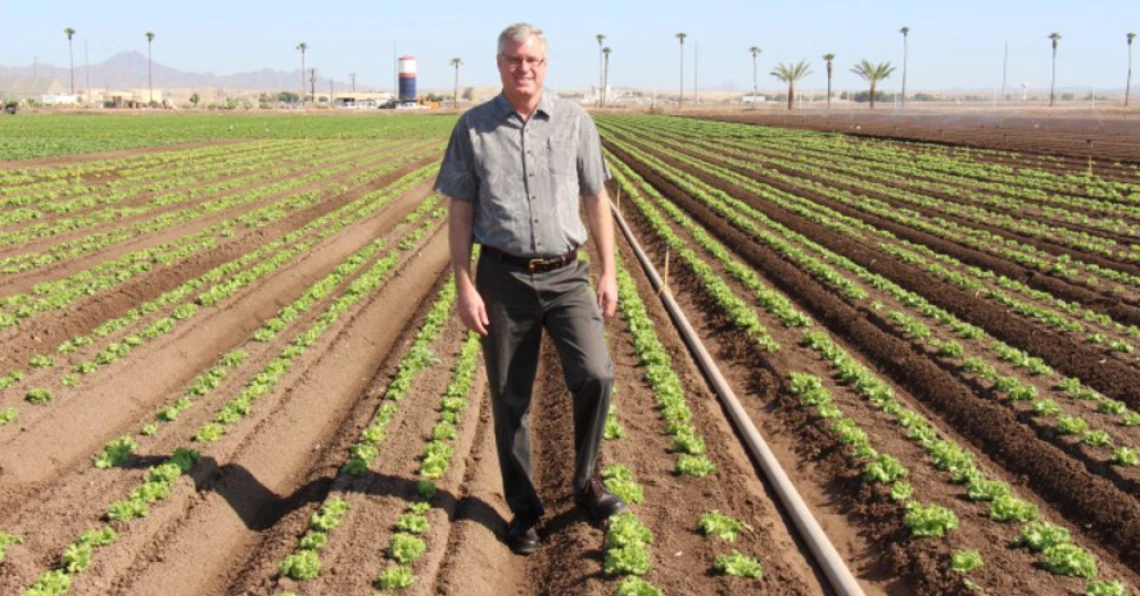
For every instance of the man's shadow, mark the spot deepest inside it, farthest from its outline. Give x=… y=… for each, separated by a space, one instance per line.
x=260 y=508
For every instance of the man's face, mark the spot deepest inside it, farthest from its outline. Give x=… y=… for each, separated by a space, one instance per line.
x=522 y=67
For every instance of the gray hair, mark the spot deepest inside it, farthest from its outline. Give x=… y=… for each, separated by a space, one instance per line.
x=520 y=33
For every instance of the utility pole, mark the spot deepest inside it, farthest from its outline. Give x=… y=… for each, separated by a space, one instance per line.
x=87 y=59
x=696 y=64
x=352 y=76
x=1004 y=66
x=330 y=92
x=312 y=84
x=35 y=67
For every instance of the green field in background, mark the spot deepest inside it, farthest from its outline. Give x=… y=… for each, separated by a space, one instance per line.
x=26 y=136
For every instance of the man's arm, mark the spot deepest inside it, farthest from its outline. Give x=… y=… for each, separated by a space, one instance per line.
x=460 y=221
x=602 y=230
x=457 y=180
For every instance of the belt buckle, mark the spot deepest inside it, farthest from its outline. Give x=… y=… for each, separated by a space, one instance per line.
x=532 y=264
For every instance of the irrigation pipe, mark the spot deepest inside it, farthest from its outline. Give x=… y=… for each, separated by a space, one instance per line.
x=834 y=567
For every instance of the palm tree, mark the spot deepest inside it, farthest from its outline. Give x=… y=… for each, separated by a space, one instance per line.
x=829 y=58
x=873 y=73
x=302 y=46
x=149 y=71
x=601 y=69
x=755 y=51
x=1128 y=85
x=457 y=62
x=790 y=73
x=681 y=99
x=606 y=75
x=71 y=33
x=905 y=31
x=1055 y=36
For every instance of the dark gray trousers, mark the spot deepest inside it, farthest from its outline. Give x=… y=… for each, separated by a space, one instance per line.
x=520 y=305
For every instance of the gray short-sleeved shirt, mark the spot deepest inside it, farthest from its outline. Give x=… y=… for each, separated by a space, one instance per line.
x=525 y=178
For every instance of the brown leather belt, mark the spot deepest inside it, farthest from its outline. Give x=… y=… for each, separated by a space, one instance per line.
x=535 y=265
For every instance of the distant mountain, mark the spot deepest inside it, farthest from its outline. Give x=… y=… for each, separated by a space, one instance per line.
x=127 y=70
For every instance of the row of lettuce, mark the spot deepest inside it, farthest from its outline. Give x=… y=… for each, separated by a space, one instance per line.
x=953 y=463
x=357 y=278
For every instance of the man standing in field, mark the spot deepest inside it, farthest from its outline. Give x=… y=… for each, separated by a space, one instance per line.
x=515 y=169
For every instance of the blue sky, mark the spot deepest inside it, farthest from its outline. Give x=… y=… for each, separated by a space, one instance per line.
x=955 y=44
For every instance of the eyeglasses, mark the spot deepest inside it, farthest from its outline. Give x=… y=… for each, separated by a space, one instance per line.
x=517 y=62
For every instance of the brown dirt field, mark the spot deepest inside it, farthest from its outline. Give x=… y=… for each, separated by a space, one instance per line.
x=1061 y=351
x=1040 y=468
x=226 y=527
x=979 y=222
x=253 y=181
x=886 y=555
x=362 y=161
x=111 y=171
x=39 y=447
x=52 y=328
x=1068 y=134
x=245 y=471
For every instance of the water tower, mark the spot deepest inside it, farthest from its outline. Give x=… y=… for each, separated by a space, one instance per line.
x=407 y=69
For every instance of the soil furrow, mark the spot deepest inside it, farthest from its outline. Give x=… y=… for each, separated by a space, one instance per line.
x=264 y=477
x=1064 y=352
x=1085 y=499
x=48 y=330
x=54 y=442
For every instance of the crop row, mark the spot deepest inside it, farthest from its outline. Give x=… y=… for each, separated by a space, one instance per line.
x=896 y=183
x=406 y=545
x=177 y=195
x=1006 y=387
x=944 y=454
x=218 y=291
x=159 y=480
x=218 y=202
x=1033 y=178
x=77 y=196
x=183 y=303
x=1027 y=255
x=72 y=179
x=856 y=229
x=287 y=316
x=956 y=173
x=62 y=135
x=628 y=539
x=59 y=294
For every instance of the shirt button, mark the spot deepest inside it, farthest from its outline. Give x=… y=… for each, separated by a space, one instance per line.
x=536 y=221
x=531 y=174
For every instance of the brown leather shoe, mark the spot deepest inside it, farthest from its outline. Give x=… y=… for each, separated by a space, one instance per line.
x=522 y=538
x=599 y=501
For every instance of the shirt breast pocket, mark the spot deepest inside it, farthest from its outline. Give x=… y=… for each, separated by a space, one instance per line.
x=562 y=156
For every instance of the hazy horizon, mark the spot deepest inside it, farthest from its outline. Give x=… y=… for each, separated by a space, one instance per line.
x=956 y=47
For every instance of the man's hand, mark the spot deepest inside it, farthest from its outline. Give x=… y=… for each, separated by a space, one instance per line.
x=472 y=311
x=608 y=294
x=602 y=230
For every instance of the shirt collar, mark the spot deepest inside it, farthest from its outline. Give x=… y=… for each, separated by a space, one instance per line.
x=544 y=109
